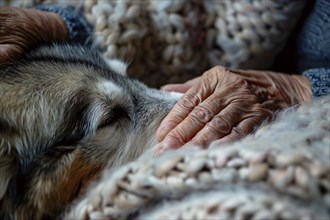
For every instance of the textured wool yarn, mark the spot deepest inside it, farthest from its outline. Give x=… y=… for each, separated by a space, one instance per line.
x=280 y=172
x=172 y=41
x=167 y=41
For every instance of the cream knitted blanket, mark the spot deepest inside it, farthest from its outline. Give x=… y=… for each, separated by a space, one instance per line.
x=280 y=172
x=168 y=41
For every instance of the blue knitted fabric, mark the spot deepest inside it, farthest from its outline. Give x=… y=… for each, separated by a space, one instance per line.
x=80 y=31
x=320 y=80
x=314 y=48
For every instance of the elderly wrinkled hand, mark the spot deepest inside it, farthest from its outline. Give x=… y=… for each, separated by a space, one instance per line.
x=21 y=29
x=225 y=105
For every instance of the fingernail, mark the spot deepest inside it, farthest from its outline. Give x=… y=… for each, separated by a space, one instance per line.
x=166 y=144
x=159 y=150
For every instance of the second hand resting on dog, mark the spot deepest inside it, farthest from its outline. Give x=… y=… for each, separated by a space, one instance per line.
x=222 y=105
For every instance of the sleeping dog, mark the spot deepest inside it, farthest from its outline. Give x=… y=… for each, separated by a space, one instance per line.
x=66 y=114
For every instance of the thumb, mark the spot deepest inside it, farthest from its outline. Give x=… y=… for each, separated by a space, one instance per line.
x=181 y=88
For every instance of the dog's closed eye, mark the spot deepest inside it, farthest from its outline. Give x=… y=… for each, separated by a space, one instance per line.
x=114 y=115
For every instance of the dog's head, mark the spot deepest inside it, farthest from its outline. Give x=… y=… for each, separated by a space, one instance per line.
x=66 y=114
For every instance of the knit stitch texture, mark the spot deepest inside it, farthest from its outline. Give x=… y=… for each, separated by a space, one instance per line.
x=320 y=81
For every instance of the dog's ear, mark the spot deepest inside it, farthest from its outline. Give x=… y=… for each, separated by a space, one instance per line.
x=117 y=66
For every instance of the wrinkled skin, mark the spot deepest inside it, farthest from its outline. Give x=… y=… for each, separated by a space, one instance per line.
x=21 y=29
x=225 y=105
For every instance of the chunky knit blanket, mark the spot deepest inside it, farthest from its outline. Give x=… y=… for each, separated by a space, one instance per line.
x=169 y=41
x=280 y=172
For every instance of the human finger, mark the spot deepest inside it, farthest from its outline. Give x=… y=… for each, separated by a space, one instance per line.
x=182 y=88
x=194 y=96
x=221 y=124
x=178 y=113
x=202 y=114
x=194 y=122
x=244 y=128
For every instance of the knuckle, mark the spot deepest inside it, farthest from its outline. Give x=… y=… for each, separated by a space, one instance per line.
x=219 y=68
x=220 y=125
x=246 y=84
x=200 y=141
x=239 y=133
x=261 y=112
x=216 y=70
x=201 y=114
x=189 y=101
x=178 y=136
x=207 y=136
x=243 y=83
